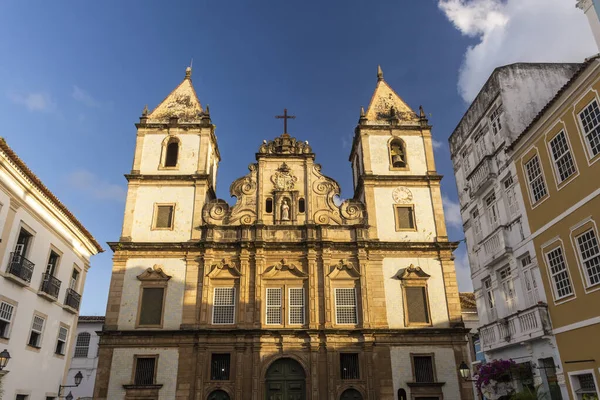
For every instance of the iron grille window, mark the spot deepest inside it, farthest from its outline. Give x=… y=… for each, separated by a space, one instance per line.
x=495 y=120
x=219 y=367
x=164 y=217
x=416 y=303
x=590 y=255
x=558 y=271
x=586 y=384
x=273 y=306
x=349 y=366
x=144 y=370
x=296 y=306
x=537 y=185
x=405 y=218
x=224 y=306
x=61 y=341
x=82 y=345
x=563 y=159
x=423 y=369
x=36 y=331
x=152 y=306
x=345 y=306
x=590 y=119
x=6 y=312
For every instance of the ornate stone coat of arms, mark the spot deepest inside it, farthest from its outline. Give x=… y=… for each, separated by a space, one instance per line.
x=283 y=178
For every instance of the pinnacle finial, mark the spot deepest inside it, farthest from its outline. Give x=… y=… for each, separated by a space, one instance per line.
x=188 y=73
x=421 y=112
x=362 y=111
x=379 y=73
x=145 y=111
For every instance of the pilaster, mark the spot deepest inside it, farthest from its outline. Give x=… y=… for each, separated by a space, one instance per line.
x=113 y=306
x=190 y=294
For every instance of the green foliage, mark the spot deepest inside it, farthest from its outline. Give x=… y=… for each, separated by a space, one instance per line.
x=528 y=394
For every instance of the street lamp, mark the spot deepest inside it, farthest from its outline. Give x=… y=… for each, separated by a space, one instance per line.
x=465 y=372
x=78 y=377
x=4 y=357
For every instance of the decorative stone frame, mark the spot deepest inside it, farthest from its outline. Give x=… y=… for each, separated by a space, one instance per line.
x=163 y=154
x=344 y=275
x=67 y=344
x=217 y=384
x=152 y=278
x=39 y=346
x=155 y=217
x=285 y=276
x=361 y=363
x=414 y=218
x=268 y=361
x=393 y=140
x=353 y=384
x=414 y=277
x=142 y=392
x=223 y=274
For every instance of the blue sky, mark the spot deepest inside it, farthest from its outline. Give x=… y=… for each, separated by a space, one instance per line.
x=75 y=76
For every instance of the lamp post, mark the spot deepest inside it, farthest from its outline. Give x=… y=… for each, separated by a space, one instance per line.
x=78 y=378
x=465 y=372
x=4 y=358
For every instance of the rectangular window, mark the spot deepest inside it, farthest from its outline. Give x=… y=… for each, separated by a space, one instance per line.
x=61 y=342
x=274 y=306
x=489 y=293
x=511 y=199
x=23 y=242
x=537 y=185
x=465 y=158
x=590 y=256
x=559 y=274
x=349 y=368
x=296 y=304
x=584 y=386
x=144 y=370
x=82 y=345
x=476 y=223
x=6 y=313
x=590 y=119
x=416 y=304
x=269 y=206
x=480 y=145
x=495 y=120
x=345 y=306
x=423 y=369
x=405 y=218
x=164 y=217
x=152 y=306
x=52 y=263
x=74 y=279
x=22 y=397
x=563 y=159
x=219 y=367
x=492 y=210
x=224 y=306
x=37 y=327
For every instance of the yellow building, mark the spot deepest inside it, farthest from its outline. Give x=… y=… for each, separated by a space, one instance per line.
x=556 y=159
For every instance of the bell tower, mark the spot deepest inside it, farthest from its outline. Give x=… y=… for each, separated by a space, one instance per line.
x=174 y=169
x=394 y=170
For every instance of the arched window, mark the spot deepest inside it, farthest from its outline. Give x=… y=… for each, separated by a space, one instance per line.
x=82 y=345
x=301 y=206
x=269 y=206
x=397 y=153
x=172 y=153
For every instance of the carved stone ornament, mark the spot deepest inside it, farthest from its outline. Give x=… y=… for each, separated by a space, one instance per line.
x=283 y=270
x=412 y=272
x=343 y=270
x=402 y=195
x=154 y=274
x=224 y=269
x=283 y=178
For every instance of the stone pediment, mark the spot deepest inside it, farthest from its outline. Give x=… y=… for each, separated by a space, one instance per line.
x=386 y=105
x=412 y=273
x=285 y=144
x=181 y=103
x=343 y=270
x=224 y=270
x=154 y=274
x=283 y=270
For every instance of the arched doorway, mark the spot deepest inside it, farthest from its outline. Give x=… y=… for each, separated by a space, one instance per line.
x=351 y=394
x=285 y=380
x=218 y=395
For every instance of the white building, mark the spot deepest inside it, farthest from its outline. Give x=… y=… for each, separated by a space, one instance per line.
x=591 y=9
x=84 y=356
x=514 y=322
x=44 y=257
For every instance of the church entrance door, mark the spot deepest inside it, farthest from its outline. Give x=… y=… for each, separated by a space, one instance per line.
x=285 y=380
x=351 y=394
x=218 y=395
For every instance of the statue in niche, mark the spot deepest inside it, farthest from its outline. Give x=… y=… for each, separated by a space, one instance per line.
x=285 y=210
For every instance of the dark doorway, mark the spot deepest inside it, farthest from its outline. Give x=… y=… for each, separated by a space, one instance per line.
x=218 y=395
x=351 y=394
x=285 y=380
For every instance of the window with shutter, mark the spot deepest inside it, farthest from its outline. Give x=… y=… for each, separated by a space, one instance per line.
x=61 y=341
x=151 y=308
x=37 y=327
x=164 y=217
x=82 y=345
x=144 y=371
x=224 y=306
x=416 y=303
x=6 y=313
x=405 y=218
x=345 y=306
x=296 y=306
x=274 y=306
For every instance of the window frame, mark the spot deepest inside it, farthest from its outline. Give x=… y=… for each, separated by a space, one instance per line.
x=165 y=148
x=583 y=135
x=358 y=362
x=212 y=319
x=77 y=281
x=302 y=307
x=418 y=284
x=560 y=183
x=87 y=353
x=433 y=368
x=210 y=365
x=512 y=206
x=530 y=191
x=135 y=367
x=279 y=307
x=492 y=209
x=583 y=227
x=155 y=217
x=151 y=285
x=13 y=304
x=59 y=256
x=65 y=341
x=396 y=219
x=335 y=299
x=40 y=333
x=575 y=374
x=546 y=250
x=494 y=118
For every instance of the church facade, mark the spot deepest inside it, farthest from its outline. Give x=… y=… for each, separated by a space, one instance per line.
x=289 y=293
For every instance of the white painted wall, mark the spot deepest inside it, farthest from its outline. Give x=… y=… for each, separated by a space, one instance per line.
x=89 y=365
x=380 y=159
x=394 y=295
x=131 y=291
x=122 y=368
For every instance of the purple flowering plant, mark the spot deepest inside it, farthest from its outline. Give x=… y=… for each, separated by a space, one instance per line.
x=497 y=370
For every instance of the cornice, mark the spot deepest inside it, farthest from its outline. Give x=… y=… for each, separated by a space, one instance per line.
x=166 y=177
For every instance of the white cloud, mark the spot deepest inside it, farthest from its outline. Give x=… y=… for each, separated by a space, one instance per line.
x=463 y=270
x=452 y=212
x=90 y=184
x=516 y=31
x=437 y=144
x=347 y=141
x=34 y=101
x=84 y=97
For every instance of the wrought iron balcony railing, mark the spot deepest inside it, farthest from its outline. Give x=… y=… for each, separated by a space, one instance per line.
x=50 y=285
x=20 y=267
x=72 y=299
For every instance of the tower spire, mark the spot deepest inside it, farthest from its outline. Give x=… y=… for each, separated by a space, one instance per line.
x=379 y=73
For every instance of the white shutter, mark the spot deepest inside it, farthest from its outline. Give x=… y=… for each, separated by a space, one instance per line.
x=273 y=306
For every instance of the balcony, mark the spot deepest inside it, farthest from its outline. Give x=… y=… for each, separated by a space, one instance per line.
x=50 y=287
x=519 y=327
x=495 y=247
x=72 y=300
x=481 y=177
x=21 y=268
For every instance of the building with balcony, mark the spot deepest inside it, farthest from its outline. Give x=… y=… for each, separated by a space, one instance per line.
x=84 y=356
x=44 y=257
x=511 y=303
x=556 y=159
